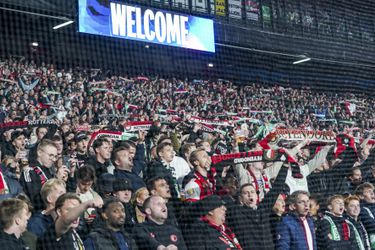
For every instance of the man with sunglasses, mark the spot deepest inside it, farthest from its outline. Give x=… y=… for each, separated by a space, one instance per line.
x=33 y=178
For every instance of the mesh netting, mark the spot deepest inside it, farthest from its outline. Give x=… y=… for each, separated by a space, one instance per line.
x=227 y=124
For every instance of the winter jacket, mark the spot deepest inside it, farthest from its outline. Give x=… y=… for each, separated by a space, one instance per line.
x=325 y=235
x=105 y=239
x=291 y=233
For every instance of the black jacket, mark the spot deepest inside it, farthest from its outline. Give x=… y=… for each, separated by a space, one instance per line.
x=204 y=237
x=10 y=242
x=103 y=239
x=253 y=227
x=325 y=239
x=32 y=183
x=149 y=235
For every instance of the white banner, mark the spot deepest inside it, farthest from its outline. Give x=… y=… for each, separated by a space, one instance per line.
x=235 y=9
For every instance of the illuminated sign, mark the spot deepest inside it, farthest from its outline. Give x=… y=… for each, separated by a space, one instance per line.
x=145 y=24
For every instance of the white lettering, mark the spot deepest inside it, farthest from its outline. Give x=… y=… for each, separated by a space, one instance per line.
x=118 y=19
x=130 y=21
x=138 y=18
x=173 y=28
x=148 y=16
x=160 y=29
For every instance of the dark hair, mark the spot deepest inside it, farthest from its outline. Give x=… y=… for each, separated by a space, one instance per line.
x=99 y=142
x=161 y=146
x=151 y=182
x=56 y=138
x=108 y=202
x=126 y=145
x=163 y=138
x=86 y=173
x=354 y=169
x=67 y=196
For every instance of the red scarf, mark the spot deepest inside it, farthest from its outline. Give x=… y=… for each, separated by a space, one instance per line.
x=227 y=235
x=256 y=185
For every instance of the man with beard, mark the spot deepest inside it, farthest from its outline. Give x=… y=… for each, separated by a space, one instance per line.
x=354 y=179
x=250 y=220
x=112 y=235
x=154 y=233
x=123 y=160
x=202 y=183
x=33 y=178
x=100 y=161
x=62 y=234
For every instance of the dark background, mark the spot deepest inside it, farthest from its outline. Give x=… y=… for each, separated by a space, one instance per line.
x=339 y=39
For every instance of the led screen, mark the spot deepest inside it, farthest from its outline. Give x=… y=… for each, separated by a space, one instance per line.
x=147 y=25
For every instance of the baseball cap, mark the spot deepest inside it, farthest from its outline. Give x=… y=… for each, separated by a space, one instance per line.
x=122 y=184
x=210 y=203
x=80 y=136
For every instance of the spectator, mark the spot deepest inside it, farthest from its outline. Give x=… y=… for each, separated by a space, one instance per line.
x=122 y=158
x=162 y=168
x=202 y=183
x=138 y=199
x=352 y=209
x=123 y=190
x=14 y=215
x=33 y=178
x=210 y=230
x=250 y=220
x=17 y=145
x=354 y=179
x=296 y=229
x=62 y=234
x=366 y=194
x=101 y=160
x=81 y=139
x=41 y=220
x=86 y=178
x=334 y=232
x=112 y=235
x=154 y=233
x=10 y=187
x=159 y=186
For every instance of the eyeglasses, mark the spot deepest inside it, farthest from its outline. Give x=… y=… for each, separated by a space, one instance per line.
x=51 y=156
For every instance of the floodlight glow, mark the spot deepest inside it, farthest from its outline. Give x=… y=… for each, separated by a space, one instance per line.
x=63 y=24
x=302 y=60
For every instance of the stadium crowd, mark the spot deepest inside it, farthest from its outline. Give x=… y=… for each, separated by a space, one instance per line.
x=93 y=161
